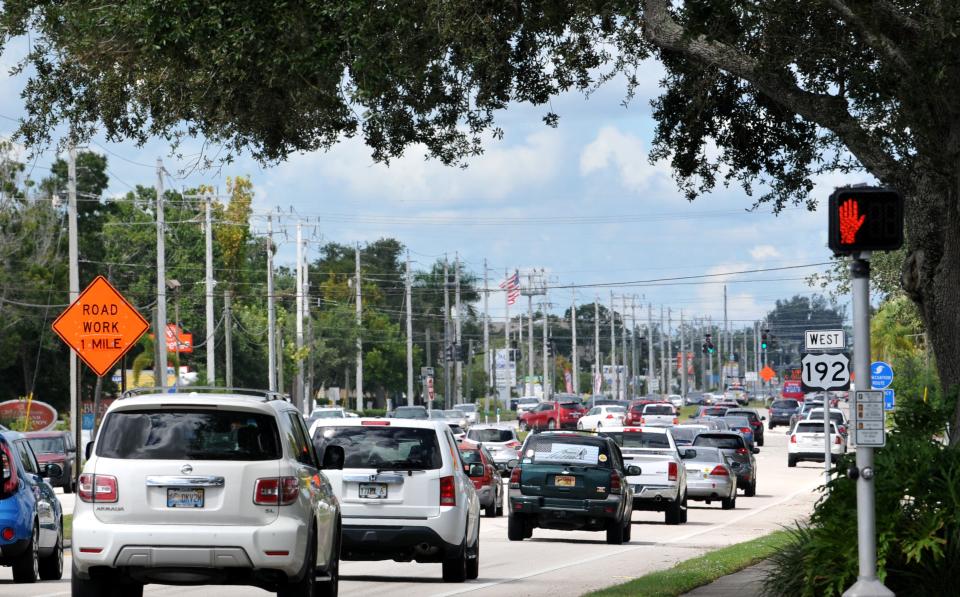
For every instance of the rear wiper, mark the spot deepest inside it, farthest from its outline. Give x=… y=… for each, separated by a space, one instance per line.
x=401 y=465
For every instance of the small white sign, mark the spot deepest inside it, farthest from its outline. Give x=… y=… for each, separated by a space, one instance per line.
x=869 y=419
x=750 y=376
x=814 y=340
x=871 y=438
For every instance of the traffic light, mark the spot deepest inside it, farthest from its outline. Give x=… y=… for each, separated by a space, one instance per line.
x=865 y=219
x=549 y=350
x=708 y=346
x=763 y=339
x=451 y=351
x=463 y=353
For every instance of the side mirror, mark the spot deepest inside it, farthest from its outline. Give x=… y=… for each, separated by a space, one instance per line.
x=688 y=454
x=512 y=463
x=333 y=458
x=53 y=471
x=474 y=470
x=633 y=470
x=756 y=450
x=88 y=450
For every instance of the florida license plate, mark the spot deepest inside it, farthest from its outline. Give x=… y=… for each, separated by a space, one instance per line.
x=565 y=481
x=184 y=498
x=373 y=491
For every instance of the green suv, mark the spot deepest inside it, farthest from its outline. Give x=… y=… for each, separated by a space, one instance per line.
x=571 y=481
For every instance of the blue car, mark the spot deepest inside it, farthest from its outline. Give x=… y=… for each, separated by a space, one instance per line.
x=31 y=519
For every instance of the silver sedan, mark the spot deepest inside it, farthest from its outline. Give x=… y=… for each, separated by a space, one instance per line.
x=711 y=476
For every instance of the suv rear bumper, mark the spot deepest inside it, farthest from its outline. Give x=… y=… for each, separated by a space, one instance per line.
x=198 y=547
x=567 y=514
x=400 y=543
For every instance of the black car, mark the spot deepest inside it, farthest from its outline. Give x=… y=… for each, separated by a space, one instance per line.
x=571 y=481
x=782 y=410
x=741 y=456
x=756 y=421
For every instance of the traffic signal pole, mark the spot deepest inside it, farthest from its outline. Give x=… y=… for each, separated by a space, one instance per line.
x=867 y=585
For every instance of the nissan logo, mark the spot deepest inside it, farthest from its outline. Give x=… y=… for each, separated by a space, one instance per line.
x=186 y=469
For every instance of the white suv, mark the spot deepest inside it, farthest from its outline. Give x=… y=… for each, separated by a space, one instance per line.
x=205 y=488
x=405 y=493
x=807 y=443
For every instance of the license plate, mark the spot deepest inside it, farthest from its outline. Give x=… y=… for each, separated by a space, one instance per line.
x=184 y=498
x=565 y=481
x=373 y=491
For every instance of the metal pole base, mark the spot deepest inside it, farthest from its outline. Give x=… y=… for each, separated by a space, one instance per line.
x=868 y=587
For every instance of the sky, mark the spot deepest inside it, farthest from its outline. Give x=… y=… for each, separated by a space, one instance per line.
x=580 y=201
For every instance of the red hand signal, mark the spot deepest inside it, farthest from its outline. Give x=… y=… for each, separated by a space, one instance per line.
x=849 y=221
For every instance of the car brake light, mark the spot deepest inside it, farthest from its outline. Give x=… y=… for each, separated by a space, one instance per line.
x=515 y=478
x=837 y=441
x=720 y=471
x=793 y=439
x=7 y=534
x=448 y=494
x=98 y=488
x=676 y=421
x=741 y=450
x=376 y=423
x=609 y=416
x=10 y=482
x=275 y=491
x=843 y=429
x=672 y=471
x=643 y=421
x=513 y=444
x=615 y=482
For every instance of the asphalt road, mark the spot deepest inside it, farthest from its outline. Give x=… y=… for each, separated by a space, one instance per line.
x=555 y=563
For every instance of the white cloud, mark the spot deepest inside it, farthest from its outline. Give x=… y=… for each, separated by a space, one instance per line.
x=627 y=155
x=761 y=252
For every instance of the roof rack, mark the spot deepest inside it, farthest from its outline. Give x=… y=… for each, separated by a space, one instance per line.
x=266 y=395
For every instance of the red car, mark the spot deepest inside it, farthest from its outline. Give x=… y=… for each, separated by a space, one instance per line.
x=553 y=414
x=54 y=447
x=488 y=485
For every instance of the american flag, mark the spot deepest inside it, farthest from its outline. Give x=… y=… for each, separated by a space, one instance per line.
x=512 y=286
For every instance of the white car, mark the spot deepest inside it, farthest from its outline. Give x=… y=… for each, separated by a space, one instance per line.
x=658 y=414
x=469 y=410
x=218 y=488
x=607 y=415
x=405 y=493
x=526 y=404
x=836 y=416
x=806 y=443
x=501 y=441
x=676 y=400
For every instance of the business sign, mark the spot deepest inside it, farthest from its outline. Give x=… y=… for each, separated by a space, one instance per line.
x=100 y=326
x=750 y=376
x=506 y=369
x=824 y=371
x=869 y=419
x=431 y=394
x=881 y=375
x=815 y=340
x=40 y=415
x=178 y=340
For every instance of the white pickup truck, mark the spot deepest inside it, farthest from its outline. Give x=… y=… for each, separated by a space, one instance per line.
x=663 y=485
x=658 y=414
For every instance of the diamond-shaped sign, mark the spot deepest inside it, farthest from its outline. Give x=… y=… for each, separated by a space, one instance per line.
x=100 y=326
x=766 y=374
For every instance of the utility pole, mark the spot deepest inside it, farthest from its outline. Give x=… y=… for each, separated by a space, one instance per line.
x=683 y=358
x=709 y=354
x=271 y=313
x=669 y=360
x=160 y=360
x=409 y=334
x=486 y=328
x=635 y=361
x=298 y=391
x=280 y=385
x=547 y=390
x=726 y=347
x=359 y=300
x=228 y=335
x=623 y=343
x=597 y=361
x=650 y=359
x=211 y=343
x=530 y=370
x=664 y=332
x=306 y=388
x=506 y=346
x=574 y=356
x=447 y=393
x=74 y=255
x=458 y=365
x=613 y=349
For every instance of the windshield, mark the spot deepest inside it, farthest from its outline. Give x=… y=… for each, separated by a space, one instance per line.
x=813 y=428
x=785 y=404
x=471 y=456
x=490 y=435
x=47 y=445
x=640 y=439
x=737 y=422
x=727 y=442
x=181 y=434
x=410 y=412
x=453 y=414
x=382 y=447
x=528 y=401
x=835 y=416
x=566 y=450
x=658 y=409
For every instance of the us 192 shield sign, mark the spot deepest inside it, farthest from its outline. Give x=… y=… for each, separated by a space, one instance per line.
x=822 y=372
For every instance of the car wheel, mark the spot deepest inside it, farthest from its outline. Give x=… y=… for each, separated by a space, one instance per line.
x=673 y=513
x=627 y=531
x=500 y=505
x=51 y=566
x=729 y=503
x=473 y=563
x=751 y=489
x=770 y=425
x=90 y=587
x=68 y=486
x=306 y=585
x=760 y=442
x=791 y=460
x=515 y=527
x=615 y=533
x=331 y=586
x=684 y=511
x=491 y=510
x=551 y=424
x=455 y=567
x=26 y=566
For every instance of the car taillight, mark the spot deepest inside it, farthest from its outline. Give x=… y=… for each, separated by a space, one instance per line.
x=838 y=440
x=676 y=421
x=746 y=430
x=672 y=471
x=609 y=416
x=98 y=488
x=615 y=482
x=843 y=429
x=643 y=421
x=10 y=481
x=741 y=450
x=513 y=444
x=515 y=478
x=448 y=493
x=793 y=439
x=275 y=491
x=720 y=471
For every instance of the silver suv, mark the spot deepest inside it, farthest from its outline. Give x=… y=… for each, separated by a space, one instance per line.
x=205 y=488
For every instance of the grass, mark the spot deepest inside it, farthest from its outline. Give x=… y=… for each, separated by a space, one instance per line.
x=696 y=572
x=67 y=527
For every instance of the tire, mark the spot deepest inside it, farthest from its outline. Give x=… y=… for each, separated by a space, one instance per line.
x=455 y=567
x=729 y=503
x=68 y=487
x=615 y=533
x=51 y=566
x=26 y=566
x=770 y=425
x=102 y=587
x=551 y=424
x=491 y=510
x=515 y=527
x=473 y=564
x=684 y=511
x=791 y=460
x=627 y=532
x=331 y=587
x=751 y=489
x=760 y=442
x=672 y=514
x=499 y=510
x=306 y=585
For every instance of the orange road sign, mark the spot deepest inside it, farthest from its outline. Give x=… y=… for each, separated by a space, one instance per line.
x=766 y=374
x=100 y=326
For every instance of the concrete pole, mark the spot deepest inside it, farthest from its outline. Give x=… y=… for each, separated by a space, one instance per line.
x=447 y=391
x=211 y=342
x=670 y=362
x=613 y=349
x=409 y=301
x=271 y=313
x=650 y=358
x=683 y=358
x=597 y=361
x=486 y=328
x=623 y=343
x=160 y=362
x=74 y=258
x=458 y=330
x=227 y=336
x=530 y=370
x=574 y=356
x=359 y=305
x=635 y=359
x=506 y=330
x=547 y=390
x=298 y=390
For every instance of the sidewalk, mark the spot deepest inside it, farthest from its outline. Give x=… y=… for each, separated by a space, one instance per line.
x=746 y=583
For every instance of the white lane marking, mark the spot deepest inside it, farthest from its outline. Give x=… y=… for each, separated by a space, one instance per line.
x=607 y=555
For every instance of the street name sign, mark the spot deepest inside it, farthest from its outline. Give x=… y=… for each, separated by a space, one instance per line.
x=100 y=326
x=869 y=417
x=824 y=340
x=825 y=371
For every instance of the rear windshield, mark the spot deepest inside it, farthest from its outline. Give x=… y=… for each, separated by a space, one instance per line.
x=566 y=450
x=471 y=456
x=836 y=417
x=785 y=404
x=707 y=455
x=658 y=409
x=746 y=414
x=685 y=433
x=640 y=439
x=410 y=413
x=737 y=421
x=332 y=413
x=47 y=445
x=382 y=447
x=812 y=428
x=728 y=442
x=490 y=435
x=182 y=434
x=713 y=412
